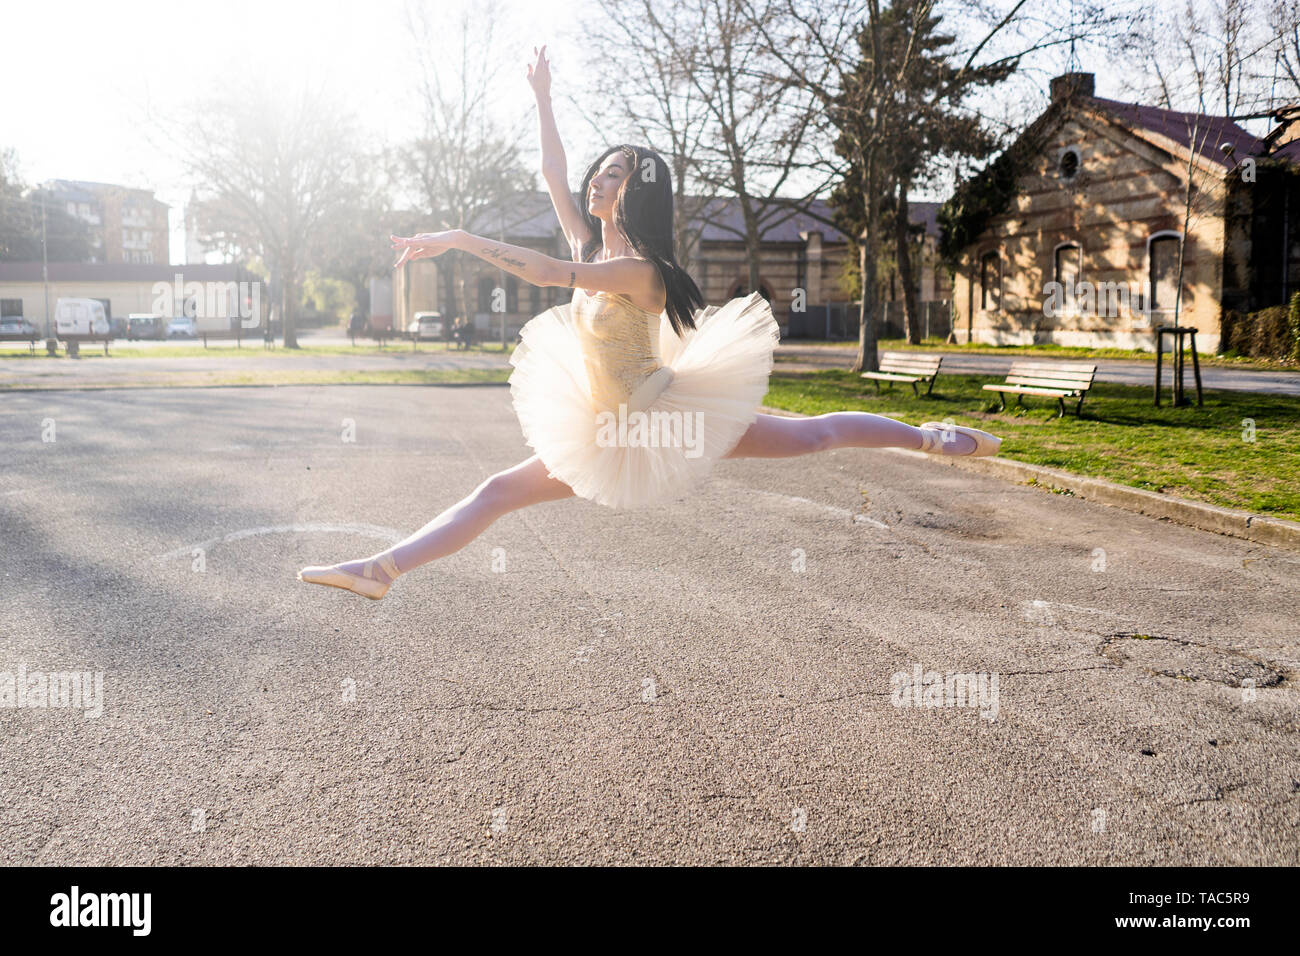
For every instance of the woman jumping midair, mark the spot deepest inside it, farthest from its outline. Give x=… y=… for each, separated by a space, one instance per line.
x=632 y=392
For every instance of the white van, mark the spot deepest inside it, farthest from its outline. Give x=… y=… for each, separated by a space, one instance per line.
x=80 y=317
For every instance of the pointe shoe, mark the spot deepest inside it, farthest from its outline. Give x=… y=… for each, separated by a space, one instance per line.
x=932 y=443
x=364 y=584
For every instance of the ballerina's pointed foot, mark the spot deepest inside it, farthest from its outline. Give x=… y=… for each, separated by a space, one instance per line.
x=932 y=442
x=373 y=580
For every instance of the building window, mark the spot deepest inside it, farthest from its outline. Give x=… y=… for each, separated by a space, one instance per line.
x=146 y=257
x=1068 y=164
x=1067 y=270
x=535 y=301
x=1163 y=255
x=991 y=282
x=11 y=307
x=512 y=294
x=485 y=287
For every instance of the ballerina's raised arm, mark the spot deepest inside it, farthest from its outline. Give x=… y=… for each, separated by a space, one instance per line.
x=555 y=167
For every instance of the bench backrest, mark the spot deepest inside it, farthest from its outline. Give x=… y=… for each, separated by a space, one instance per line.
x=1072 y=375
x=909 y=363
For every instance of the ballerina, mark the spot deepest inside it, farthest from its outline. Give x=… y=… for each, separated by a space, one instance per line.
x=633 y=391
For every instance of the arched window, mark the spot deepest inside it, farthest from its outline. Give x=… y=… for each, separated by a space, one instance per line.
x=991 y=281
x=1162 y=256
x=1067 y=270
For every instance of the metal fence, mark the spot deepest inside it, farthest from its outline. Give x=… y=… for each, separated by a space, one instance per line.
x=839 y=321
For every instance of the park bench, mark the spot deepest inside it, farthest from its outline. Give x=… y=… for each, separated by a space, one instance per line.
x=239 y=334
x=1059 y=380
x=31 y=340
x=73 y=343
x=906 y=367
x=379 y=335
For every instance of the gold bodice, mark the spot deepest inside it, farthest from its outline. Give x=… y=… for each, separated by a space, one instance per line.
x=619 y=341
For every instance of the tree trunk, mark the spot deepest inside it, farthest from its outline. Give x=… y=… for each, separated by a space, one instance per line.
x=903 y=238
x=753 y=245
x=290 y=304
x=867 y=358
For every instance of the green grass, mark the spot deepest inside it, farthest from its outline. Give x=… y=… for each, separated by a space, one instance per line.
x=1192 y=452
x=1227 y=360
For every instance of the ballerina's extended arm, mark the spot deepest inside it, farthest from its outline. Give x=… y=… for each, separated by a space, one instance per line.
x=625 y=275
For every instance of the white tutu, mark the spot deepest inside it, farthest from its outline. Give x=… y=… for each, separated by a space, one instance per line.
x=719 y=376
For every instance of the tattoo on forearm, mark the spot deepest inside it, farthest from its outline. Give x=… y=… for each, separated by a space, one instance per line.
x=503 y=257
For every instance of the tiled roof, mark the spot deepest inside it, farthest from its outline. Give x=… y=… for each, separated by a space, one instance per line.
x=727 y=224
x=531 y=216
x=1210 y=132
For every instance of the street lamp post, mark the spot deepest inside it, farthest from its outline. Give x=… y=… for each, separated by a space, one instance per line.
x=51 y=346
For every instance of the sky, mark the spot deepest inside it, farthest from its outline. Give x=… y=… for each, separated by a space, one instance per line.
x=101 y=79
x=102 y=75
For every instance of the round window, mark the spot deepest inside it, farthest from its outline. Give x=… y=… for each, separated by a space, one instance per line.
x=1069 y=164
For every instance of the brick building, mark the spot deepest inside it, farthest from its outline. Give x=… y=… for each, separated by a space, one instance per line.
x=1085 y=249
x=126 y=225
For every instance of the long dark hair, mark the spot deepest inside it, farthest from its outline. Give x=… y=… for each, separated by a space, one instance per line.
x=643 y=212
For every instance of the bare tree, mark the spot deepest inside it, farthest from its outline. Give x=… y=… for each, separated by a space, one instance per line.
x=465 y=165
x=701 y=74
x=268 y=166
x=29 y=219
x=760 y=142
x=657 y=99
x=1281 y=64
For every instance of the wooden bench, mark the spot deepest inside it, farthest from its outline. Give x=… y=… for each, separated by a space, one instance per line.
x=240 y=334
x=906 y=367
x=72 y=343
x=31 y=340
x=381 y=336
x=1059 y=380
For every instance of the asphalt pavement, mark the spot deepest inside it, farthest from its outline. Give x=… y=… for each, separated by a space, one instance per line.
x=753 y=674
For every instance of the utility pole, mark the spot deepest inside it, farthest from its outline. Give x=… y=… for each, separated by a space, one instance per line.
x=51 y=346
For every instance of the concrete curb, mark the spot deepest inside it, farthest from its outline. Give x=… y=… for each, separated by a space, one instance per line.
x=1261 y=529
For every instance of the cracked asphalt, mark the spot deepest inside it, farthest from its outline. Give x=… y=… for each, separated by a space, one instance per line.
x=709 y=682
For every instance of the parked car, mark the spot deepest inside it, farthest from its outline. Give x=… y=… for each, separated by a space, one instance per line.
x=426 y=325
x=183 y=326
x=144 y=325
x=16 y=325
x=80 y=317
